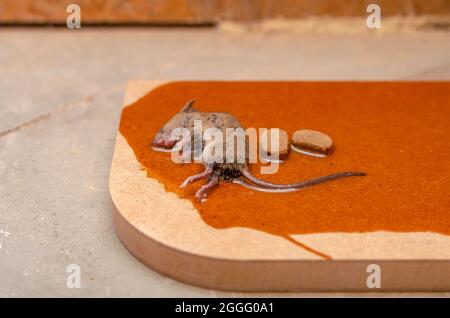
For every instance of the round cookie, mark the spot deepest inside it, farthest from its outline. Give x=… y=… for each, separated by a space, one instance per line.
x=312 y=141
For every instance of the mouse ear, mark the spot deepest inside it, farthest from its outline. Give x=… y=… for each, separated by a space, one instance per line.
x=188 y=107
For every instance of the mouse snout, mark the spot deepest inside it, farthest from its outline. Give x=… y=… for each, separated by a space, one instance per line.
x=162 y=140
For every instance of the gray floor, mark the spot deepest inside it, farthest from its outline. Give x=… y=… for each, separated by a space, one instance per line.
x=60 y=101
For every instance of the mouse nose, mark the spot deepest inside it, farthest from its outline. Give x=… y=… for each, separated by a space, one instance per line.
x=158 y=141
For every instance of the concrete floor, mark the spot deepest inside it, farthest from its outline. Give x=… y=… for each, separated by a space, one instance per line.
x=60 y=101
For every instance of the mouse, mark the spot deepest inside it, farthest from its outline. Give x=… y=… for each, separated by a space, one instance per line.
x=237 y=171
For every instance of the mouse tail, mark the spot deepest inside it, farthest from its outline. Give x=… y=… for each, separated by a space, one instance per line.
x=298 y=185
x=263 y=188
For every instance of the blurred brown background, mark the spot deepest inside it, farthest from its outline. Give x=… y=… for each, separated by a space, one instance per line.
x=204 y=11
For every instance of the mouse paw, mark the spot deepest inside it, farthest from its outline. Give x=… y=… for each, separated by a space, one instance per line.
x=201 y=195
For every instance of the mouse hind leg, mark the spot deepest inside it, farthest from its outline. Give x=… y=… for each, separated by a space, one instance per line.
x=203 y=175
x=202 y=193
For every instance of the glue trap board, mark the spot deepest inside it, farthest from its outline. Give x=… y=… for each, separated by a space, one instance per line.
x=385 y=231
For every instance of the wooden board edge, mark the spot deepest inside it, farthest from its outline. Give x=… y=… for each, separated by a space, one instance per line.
x=279 y=276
